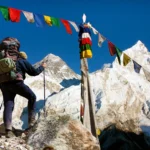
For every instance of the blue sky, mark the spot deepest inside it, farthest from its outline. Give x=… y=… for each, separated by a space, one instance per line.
x=123 y=22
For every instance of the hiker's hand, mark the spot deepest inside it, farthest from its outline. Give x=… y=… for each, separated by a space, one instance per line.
x=44 y=65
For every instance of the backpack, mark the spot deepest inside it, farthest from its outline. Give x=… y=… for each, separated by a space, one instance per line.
x=9 y=54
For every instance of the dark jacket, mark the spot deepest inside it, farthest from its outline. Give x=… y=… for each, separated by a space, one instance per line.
x=23 y=66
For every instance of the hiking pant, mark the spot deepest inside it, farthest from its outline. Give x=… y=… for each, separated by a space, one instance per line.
x=9 y=91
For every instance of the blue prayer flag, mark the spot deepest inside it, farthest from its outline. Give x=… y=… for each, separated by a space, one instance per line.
x=39 y=20
x=137 y=67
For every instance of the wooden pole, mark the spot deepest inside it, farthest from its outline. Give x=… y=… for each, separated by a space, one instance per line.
x=88 y=118
x=90 y=101
x=87 y=97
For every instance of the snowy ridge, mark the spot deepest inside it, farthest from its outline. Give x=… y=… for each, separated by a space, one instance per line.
x=121 y=95
x=117 y=91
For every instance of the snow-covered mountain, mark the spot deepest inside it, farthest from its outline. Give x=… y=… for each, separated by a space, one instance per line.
x=57 y=70
x=121 y=95
x=58 y=76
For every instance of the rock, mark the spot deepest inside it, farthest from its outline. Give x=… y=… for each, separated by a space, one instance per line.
x=62 y=133
x=114 y=139
x=13 y=144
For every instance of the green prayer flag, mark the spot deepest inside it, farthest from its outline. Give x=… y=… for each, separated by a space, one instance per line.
x=85 y=47
x=118 y=53
x=5 y=12
x=55 y=21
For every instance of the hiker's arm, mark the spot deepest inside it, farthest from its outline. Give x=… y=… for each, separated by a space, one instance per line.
x=29 y=69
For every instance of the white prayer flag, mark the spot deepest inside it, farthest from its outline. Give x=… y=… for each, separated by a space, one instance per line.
x=74 y=25
x=86 y=35
x=101 y=39
x=94 y=30
x=29 y=16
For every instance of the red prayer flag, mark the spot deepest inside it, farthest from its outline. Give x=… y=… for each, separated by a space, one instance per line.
x=112 y=48
x=67 y=26
x=86 y=41
x=14 y=14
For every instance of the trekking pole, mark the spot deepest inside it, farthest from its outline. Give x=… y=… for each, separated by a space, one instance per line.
x=44 y=93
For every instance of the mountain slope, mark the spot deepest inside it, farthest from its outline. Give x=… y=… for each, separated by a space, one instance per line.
x=121 y=95
x=58 y=76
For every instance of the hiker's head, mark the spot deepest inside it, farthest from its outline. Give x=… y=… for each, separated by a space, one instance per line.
x=10 y=43
x=23 y=55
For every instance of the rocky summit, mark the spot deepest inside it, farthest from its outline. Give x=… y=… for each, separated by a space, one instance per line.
x=122 y=102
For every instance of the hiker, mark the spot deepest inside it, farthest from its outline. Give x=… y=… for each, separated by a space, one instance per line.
x=11 y=88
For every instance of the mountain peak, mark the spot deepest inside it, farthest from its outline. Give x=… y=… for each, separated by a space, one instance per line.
x=139 y=46
x=57 y=69
x=139 y=42
x=51 y=57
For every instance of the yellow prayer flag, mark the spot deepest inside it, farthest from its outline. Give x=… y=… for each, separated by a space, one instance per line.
x=86 y=54
x=98 y=132
x=126 y=59
x=48 y=20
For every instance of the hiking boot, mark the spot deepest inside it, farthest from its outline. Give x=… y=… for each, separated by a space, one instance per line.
x=10 y=134
x=31 y=121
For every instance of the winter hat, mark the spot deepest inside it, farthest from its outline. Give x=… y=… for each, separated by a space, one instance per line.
x=23 y=55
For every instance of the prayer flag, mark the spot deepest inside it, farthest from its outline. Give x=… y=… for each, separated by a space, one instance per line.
x=101 y=39
x=55 y=21
x=48 y=20
x=67 y=26
x=126 y=59
x=94 y=30
x=114 y=50
x=39 y=19
x=5 y=12
x=29 y=16
x=118 y=53
x=74 y=25
x=137 y=67
x=14 y=14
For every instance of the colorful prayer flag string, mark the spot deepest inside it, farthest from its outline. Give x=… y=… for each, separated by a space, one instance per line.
x=14 y=14
x=85 y=41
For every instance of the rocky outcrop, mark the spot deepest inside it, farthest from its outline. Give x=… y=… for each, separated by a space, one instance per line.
x=56 y=132
x=14 y=144
x=62 y=133
x=112 y=138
